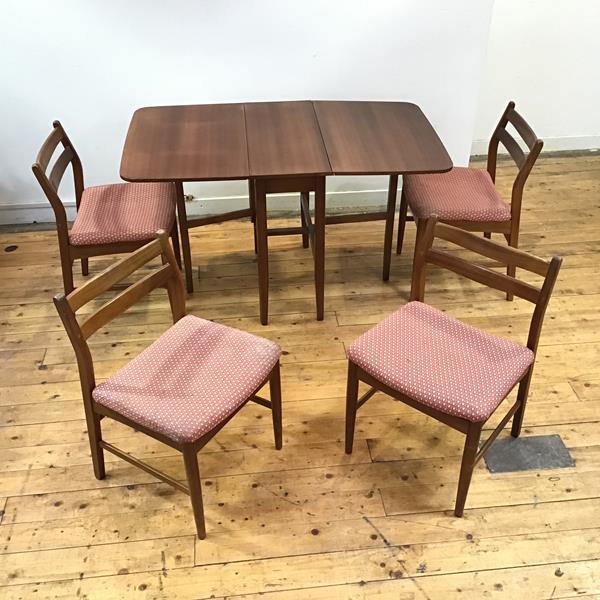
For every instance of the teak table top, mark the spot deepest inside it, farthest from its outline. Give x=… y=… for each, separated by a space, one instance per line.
x=280 y=139
x=379 y=138
x=186 y=143
x=284 y=139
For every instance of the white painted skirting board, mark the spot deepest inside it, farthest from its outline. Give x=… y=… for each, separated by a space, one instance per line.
x=41 y=212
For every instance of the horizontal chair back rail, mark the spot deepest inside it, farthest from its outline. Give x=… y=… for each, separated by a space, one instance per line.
x=538 y=295
x=167 y=276
x=524 y=160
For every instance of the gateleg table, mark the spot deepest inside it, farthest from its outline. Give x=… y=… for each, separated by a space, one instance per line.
x=282 y=147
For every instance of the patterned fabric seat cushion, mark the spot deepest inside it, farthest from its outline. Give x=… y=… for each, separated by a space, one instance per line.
x=440 y=362
x=123 y=212
x=461 y=194
x=190 y=379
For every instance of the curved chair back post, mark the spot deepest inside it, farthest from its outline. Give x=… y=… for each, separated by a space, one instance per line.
x=524 y=161
x=167 y=276
x=85 y=363
x=535 y=328
x=492 y=156
x=50 y=182
x=520 y=181
x=75 y=162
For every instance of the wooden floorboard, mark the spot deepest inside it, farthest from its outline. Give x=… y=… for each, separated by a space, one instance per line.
x=307 y=522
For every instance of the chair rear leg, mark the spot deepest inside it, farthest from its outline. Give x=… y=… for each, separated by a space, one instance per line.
x=351 y=401
x=467 y=466
x=190 y=459
x=175 y=242
x=95 y=437
x=511 y=271
x=275 y=388
x=66 y=265
x=401 y=221
x=85 y=267
x=185 y=239
x=522 y=399
x=487 y=235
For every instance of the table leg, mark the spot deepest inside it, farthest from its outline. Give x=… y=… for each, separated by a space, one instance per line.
x=253 y=209
x=389 y=226
x=319 y=249
x=304 y=199
x=185 y=237
x=262 y=247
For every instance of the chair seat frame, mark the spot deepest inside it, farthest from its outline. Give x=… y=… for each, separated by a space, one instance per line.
x=424 y=253
x=50 y=183
x=525 y=162
x=169 y=276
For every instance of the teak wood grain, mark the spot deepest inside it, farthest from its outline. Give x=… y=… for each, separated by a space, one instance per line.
x=205 y=142
x=284 y=139
x=283 y=522
x=50 y=184
x=380 y=138
x=288 y=146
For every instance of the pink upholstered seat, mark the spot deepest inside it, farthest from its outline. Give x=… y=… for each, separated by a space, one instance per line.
x=123 y=212
x=439 y=361
x=461 y=194
x=190 y=379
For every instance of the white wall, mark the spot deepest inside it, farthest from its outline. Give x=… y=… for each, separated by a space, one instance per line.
x=90 y=64
x=544 y=54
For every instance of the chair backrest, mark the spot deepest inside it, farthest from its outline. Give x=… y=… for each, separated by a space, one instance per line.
x=51 y=181
x=540 y=296
x=168 y=275
x=524 y=161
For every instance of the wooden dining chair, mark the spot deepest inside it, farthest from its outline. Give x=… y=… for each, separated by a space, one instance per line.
x=451 y=371
x=111 y=219
x=466 y=197
x=184 y=387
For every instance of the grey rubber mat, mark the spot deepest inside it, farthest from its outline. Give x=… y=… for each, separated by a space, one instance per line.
x=526 y=453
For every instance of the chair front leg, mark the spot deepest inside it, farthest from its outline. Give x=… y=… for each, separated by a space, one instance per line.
x=190 y=459
x=351 y=402
x=275 y=389
x=467 y=466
